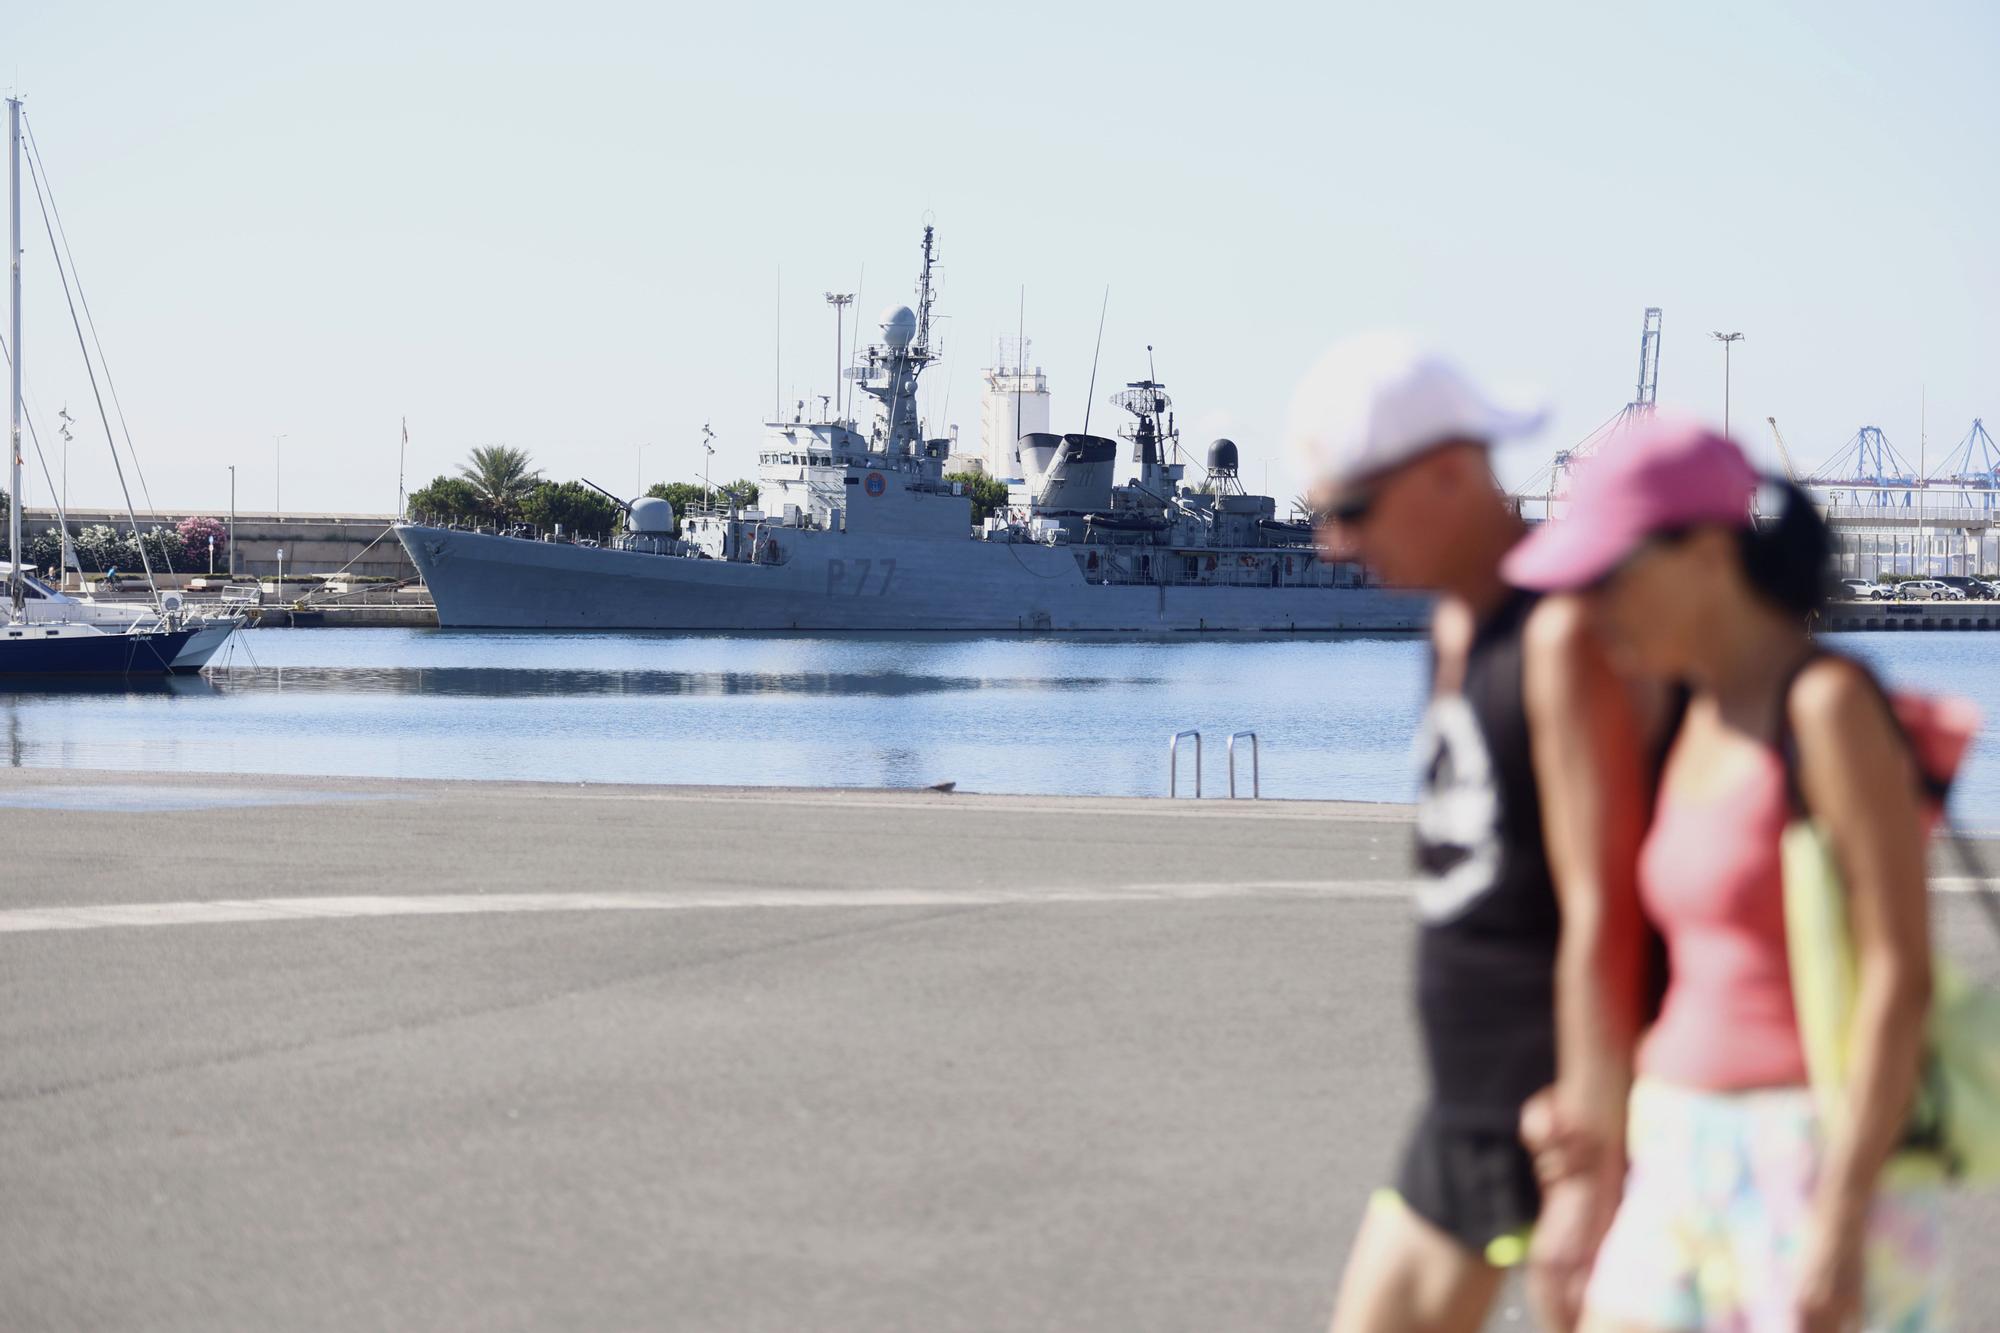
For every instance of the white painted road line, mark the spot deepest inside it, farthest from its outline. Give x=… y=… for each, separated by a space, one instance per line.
x=233 y=911
x=236 y=911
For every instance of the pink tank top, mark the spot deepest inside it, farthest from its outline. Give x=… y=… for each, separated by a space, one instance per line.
x=1710 y=877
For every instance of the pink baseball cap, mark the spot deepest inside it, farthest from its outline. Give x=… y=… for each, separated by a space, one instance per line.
x=1663 y=476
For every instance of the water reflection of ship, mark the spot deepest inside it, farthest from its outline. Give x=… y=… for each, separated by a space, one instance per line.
x=567 y=683
x=860 y=530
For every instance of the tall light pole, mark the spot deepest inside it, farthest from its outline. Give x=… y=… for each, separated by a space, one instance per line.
x=839 y=301
x=706 y=488
x=232 y=520
x=278 y=477
x=639 y=479
x=1726 y=339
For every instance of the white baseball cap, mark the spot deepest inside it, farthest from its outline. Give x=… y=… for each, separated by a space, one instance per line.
x=1377 y=400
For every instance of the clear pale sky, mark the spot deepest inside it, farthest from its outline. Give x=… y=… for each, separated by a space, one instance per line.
x=561 y=226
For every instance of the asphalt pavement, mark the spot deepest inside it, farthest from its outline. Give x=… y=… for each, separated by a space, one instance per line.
x=337 y=1054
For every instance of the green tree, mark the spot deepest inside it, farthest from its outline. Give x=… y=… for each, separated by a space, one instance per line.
x=163 y=547
x=988 y=494
x=682 y=495
x=99 y=547
x=502 y=477
x=446 y=500
x=581 y=511
x=44 y=550
x=686 y=495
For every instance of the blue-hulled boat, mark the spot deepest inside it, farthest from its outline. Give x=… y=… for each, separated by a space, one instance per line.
x=88 y=650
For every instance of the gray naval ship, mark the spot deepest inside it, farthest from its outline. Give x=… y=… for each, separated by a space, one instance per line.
x=859 y=530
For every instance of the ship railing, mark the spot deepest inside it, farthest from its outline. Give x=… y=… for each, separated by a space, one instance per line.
x=1175 y=575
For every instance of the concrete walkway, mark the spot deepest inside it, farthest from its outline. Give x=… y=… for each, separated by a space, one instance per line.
x=326 y=1054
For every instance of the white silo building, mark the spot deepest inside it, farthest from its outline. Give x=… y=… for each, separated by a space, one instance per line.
x=1016 y=403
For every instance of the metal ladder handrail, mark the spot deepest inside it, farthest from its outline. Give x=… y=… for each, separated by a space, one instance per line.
x=1173 y=763
x=1256 y=780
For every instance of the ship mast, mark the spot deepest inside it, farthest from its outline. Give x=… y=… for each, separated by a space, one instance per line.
x=14 y=307
x=924 y=298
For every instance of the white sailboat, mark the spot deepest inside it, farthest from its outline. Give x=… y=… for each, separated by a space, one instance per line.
x=59 y=647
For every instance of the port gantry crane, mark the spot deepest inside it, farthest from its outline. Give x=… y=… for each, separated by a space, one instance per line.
x=1644 y=400
x=1784 y=454
x=1970 y=473
x=1869 y=467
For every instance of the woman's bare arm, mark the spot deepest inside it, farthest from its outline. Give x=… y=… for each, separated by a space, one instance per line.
x=1859 y=781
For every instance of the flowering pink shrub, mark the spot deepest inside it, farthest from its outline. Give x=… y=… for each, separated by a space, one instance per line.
x=195 y=533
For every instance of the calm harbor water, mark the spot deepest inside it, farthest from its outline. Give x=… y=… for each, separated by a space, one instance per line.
x=1333 y=715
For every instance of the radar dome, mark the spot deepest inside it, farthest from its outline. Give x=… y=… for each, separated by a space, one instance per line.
x=652 y=516
x=899 y=325
x=1222 y=457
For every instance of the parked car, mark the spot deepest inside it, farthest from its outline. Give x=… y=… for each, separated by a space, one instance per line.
x=1927 y=590
x=1861 y=590
x=1977 y=589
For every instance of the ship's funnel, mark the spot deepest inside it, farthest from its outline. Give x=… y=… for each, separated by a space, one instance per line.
x=1080 y=477
x=1038 y=451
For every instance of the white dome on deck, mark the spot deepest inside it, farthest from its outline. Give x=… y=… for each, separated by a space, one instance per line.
x=652 y=516
x=899 y=325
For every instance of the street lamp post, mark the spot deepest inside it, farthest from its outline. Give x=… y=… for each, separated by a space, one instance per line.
x=1727 y=340
x=278 y=477
x=839 y=301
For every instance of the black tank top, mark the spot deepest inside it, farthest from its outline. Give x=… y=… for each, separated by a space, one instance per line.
x=1487 y=947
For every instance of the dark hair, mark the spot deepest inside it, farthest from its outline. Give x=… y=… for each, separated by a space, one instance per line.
x=1785 y=553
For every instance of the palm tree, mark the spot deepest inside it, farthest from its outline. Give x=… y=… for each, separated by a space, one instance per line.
x=502 y=477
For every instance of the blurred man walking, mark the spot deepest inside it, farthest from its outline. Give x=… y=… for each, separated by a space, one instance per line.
x=1527 y=828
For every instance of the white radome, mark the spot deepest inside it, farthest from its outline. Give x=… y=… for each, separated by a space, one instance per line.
x=652 y=515
x=899 y=325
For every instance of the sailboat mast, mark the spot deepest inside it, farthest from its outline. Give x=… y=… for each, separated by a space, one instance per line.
x=14 y=308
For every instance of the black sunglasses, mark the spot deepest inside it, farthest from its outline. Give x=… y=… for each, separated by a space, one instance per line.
x=1350 y=509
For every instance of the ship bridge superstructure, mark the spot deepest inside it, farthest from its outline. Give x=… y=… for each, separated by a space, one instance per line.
x=832 y=475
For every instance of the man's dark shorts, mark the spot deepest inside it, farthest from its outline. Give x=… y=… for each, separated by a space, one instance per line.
x=1475 y=1184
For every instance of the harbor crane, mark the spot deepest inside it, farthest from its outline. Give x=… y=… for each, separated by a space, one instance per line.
x=1869 y=466
x=1645 y=397
x=1648 y=392
x=1971 y=471
x=1784 y=454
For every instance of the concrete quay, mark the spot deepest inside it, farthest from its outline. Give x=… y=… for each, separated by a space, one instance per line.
x=311 y=1053
x=1848 y=616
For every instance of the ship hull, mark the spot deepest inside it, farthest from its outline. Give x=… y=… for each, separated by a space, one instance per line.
x=837 y=582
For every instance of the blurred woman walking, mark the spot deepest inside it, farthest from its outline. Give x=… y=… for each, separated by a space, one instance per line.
x=1749 y=1206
